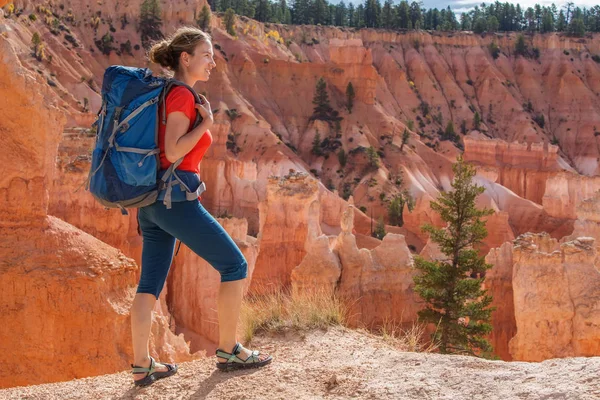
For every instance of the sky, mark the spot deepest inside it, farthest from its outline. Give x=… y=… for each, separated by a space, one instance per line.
x=465 y=5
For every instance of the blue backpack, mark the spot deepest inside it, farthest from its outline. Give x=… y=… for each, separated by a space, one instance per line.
x=125 y=170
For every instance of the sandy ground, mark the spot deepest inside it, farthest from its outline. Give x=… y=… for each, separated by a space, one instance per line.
x=342 y=364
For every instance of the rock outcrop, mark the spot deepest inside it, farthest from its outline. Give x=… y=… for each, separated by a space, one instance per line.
x=66 y=295
x=499 y=283
x=376 y=284
x=556 y=294
x=565 y=192
x=521 y=167
x=288 y=219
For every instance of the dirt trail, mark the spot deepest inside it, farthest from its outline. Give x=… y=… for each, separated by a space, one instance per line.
x=342 y=364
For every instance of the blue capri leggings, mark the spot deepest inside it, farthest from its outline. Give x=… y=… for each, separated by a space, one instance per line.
x=189 y=222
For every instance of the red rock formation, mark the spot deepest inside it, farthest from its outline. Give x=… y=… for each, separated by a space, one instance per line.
x=498 y=282
x=376 y=284
x=523 y=168
x=565 y=191
x=288 y=217
x=588 y=219
x=65 y=294
x=319 y=270
x=562 y=321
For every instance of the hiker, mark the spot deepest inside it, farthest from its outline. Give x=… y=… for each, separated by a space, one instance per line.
x=189 y=54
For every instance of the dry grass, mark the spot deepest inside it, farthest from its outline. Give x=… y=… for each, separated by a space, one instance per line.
x=280 y=310
x=407 y=339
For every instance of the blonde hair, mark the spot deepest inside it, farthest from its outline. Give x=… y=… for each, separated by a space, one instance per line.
x=167 y=52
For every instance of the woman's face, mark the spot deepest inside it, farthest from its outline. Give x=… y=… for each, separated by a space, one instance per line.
x=200 y=63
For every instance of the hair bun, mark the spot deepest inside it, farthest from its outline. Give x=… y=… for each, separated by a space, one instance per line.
x=162 y=54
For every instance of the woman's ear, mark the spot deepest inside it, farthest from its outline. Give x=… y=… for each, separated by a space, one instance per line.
x=185 y=57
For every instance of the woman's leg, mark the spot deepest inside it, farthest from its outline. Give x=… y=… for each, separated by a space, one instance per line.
x=157 y=255
x=228 y=305
x=196 y=228
x=141 y=322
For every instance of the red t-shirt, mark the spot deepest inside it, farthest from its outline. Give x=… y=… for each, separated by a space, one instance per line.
x=181 y=99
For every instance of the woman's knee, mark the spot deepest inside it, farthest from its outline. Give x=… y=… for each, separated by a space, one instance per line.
x=234 y=272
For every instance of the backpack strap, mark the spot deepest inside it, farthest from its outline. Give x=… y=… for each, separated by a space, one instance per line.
x=171 y=83
x=170 y=177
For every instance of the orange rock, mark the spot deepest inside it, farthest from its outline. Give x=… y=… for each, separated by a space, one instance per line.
x=555 y=288
x=565 y=191
x=319 y=270
x=288 y=217
x=376 y=284
x=499 y=283
x=66 y=295
x=523 y=168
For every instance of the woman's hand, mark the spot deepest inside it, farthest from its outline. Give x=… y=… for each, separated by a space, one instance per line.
x=205 y=111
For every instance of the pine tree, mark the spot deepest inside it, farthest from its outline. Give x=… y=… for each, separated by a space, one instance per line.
x=416 y=15
x=547 y=22
x=316 y=145
x=225 y=4
x=350 y=97
x=214 y=5
x=263 y=10
x=396 y=208
x=150 y=22
x=403 y=15
x=319 y=12
x=35 y=41
x=449 y=133
x=476 y=120
x=492 y=24
x=465 y=22
x=373 y=157
x=287 y=16
x=379 y=232
x=452 y=288
x=519 y=17
x=521 y=46
x=204 y=19
x=359 y=17
x=561 y=24
x=405 y=137
x=371 y=14
x=323 y=110
x=321 y=101
x=351 y=15
x=387 y=15
x=229 y=21
x=480 y=25
x=577 y=27
x=341 y=17
x=342 y=158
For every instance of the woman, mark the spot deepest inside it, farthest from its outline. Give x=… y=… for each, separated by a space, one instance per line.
x=189 y=55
